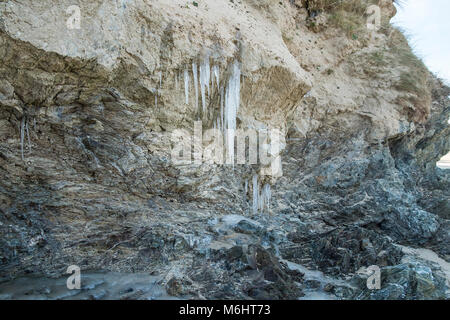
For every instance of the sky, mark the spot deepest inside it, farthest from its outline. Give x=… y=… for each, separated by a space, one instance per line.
x=427 y=22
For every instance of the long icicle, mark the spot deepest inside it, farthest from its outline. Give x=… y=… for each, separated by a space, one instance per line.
x=222 y=122
x=194 y=71
x=232 y=101
x=205 y=79
x=28 y=137
x=255 y=194
x=22 y=133
x=186 y=85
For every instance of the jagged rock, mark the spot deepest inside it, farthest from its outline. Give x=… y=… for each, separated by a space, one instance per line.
x=408 y=281
x=344 y=251
x=86 y=169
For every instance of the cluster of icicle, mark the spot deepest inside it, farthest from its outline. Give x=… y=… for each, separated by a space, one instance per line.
x=203 y=76
x=261 y=198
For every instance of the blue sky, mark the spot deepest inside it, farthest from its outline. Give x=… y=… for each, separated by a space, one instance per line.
x=427 y=22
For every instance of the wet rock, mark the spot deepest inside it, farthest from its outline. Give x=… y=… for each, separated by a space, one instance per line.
x=408 y=281
x=87 y=175
x=345 y=250
x=174 y=287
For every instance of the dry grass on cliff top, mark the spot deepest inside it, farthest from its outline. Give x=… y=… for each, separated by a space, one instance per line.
x=414 y=79
x=348 y=15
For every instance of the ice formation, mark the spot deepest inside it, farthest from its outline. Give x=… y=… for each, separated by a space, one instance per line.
x=216 y=73
x=264 y=199
x=22 y=133
x=232 y=100
x=186 y=85
x=205 y=79
x=229 y=98
x=245 y=189
x=221 y=109
x=194 y=71
x=261 y=200
x=255 y=193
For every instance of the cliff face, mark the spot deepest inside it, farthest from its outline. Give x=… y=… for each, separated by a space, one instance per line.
x=87 y=172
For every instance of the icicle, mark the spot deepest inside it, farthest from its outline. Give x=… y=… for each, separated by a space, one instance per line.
x=194 y=71
x=216 y=73
x=186 y=85
x=265 y=197
x=232 y=100
x=205 y=79
x=28 y=137
x=156 y=100
x=176 y=81
x=222 y=122
x=22 y=133
x=255 y=194
x=160 y=79
x=246 y=187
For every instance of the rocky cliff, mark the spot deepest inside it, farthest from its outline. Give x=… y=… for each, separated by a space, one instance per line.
x=92 y=93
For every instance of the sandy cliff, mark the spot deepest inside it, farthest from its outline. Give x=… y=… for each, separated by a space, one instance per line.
x=86 y=172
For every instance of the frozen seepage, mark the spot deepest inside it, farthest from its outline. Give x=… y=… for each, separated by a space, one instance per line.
x=186 y=85
x=222 y=121
x=205 y=79
x=22 y=134
x=194 y=71
x=232 y=101
x=255 y=194
x=264 y=199
x=216 y=73
x=261 y=200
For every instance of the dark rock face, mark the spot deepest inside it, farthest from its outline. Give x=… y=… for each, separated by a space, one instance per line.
x=346 y=251
x=86 y=179
x=407 y=281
